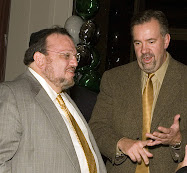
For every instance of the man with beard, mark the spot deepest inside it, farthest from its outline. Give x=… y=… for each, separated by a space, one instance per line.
x=41 y=129
x=139 y=120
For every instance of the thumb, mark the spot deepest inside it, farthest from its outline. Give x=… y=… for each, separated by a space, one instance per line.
x=176 y=120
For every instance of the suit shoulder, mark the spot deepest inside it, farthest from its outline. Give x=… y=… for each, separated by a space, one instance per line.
x=177 y=67
x=21 y=83
x=177 y=63
x=127 y=68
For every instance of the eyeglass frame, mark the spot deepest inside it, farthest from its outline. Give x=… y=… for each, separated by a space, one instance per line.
x=77 y=55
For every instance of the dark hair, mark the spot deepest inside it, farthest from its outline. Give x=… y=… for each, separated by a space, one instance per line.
x=38 y=43
x=146 y=16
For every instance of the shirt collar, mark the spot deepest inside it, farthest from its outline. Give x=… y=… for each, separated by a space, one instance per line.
x=160 y=73
x=52 y=94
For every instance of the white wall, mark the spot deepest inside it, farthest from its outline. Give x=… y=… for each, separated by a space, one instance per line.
x=28 y=16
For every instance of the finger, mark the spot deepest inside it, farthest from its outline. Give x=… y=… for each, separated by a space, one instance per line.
x=156 y=135
x=164 y=130
x=148 y=153
x=139 y=150
x=157 y=142
x=160 y=135
x=151 y=136
x=132 y=157
x=160 y=139
x=144 y=143
x=144 y=156
x=138 y=156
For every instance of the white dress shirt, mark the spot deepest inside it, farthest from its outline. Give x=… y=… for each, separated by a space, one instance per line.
x=78 y=149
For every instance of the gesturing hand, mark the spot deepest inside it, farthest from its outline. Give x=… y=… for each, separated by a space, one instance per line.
x=166 y=136
x=135 y=149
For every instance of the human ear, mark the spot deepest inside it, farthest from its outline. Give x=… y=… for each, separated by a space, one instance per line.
x=39 y=59
x=166 y=41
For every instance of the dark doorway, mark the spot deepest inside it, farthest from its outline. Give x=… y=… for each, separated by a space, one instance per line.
x=115 y=29
x=4 y=23
x=176 y=13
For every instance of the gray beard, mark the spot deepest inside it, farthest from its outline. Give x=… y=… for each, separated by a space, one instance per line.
x=58 y=82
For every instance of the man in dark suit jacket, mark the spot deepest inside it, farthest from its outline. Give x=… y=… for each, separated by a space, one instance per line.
x=117 y=119
x=36 y=135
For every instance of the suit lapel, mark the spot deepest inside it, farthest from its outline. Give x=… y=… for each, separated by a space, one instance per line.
x=54 y=118
x=134 y=97
x=91 y=137
x=83 y=119
x=169 y=90
x=136 y=100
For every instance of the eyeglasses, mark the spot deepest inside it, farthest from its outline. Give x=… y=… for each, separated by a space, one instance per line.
x=68 y=55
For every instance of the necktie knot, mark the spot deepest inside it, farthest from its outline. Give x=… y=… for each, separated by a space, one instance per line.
x=149 y=83
x=150 y=75
x=60 y=101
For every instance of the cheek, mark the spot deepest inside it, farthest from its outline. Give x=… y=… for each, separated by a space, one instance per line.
x=59 y=69
x=159 y=48
x=136 y=49
x=62 y=65
x=137 y=52
x=158 y=51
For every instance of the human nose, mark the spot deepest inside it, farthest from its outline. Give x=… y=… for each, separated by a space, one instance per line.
x=144 y=48
x=74 y=61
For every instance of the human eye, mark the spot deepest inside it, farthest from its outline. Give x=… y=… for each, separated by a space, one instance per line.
x=66 y=55
x=151 y=41
x=136 y=43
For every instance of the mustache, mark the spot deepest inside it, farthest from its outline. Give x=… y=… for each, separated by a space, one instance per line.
x=147 y=55
x=72 y=68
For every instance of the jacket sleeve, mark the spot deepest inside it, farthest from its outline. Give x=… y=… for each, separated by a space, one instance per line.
x=101 y=122
x=10 y=128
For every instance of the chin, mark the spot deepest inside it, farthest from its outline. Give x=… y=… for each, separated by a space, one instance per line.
x=148 y=68
x=68 y=84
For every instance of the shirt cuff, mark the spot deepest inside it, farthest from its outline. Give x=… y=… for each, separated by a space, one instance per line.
x=119 y=152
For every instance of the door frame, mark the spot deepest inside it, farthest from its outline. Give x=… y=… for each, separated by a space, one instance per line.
x=4 y=25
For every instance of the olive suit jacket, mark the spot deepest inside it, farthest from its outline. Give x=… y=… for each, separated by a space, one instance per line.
x=33 y=135
x=118 y=114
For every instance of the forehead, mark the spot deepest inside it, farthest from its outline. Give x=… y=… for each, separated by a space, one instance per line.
x=150 y=27
x=60 y=41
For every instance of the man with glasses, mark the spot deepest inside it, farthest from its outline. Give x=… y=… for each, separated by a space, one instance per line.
x=41 y=129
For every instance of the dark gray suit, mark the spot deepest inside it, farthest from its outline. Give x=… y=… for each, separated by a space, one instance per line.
x=118 y=113
x=33 y=135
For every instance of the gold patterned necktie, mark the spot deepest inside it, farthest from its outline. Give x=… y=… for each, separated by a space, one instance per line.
x=80 y=136
x=147 y=102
